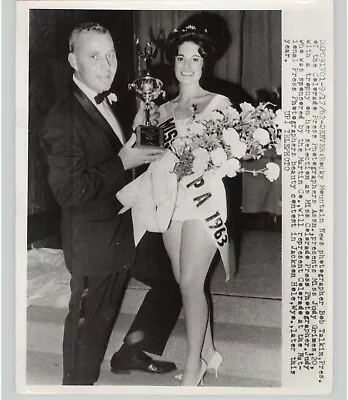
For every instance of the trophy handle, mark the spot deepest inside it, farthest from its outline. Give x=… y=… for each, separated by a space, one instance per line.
x=148 y=89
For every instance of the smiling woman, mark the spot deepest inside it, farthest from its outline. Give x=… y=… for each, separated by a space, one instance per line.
x=189 y=54
x=188 y=63
x=200 y=203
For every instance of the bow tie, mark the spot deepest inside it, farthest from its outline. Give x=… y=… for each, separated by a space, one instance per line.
x=99 y=98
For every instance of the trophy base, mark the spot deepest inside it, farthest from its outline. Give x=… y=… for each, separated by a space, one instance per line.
x=149 y=136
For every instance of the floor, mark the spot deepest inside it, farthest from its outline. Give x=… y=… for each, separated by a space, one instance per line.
x=259 y=278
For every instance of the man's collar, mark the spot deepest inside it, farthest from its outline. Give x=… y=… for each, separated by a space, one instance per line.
x=90 y=93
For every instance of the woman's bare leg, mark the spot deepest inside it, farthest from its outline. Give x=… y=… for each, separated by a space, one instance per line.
x=172 y=243
x=197 y=252
x=208 y=349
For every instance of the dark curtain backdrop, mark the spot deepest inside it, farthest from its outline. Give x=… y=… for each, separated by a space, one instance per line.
x=253 y=58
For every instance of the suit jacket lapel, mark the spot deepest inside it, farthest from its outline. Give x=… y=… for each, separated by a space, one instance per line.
x=121 y=110
x=97 y=117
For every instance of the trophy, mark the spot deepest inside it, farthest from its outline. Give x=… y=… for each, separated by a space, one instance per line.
x=148 y=89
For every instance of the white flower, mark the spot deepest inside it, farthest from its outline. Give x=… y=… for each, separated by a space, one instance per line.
x=200 y=163
x=232 y=167
x=230 y=136
x=216 y=116
x=231 y=113
x=272 y=171
x=261 y=136
x=187 y=141
x=178 y=145
x=197 y=128
x=279 y=118
x=278 y=146
x=218 y=156
x=246 y=108
x=177 y=142
x=112 y=98
x=201 y=153
x=238 y=149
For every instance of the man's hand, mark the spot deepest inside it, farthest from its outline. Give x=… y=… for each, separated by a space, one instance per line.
x=132 y=157
x=139 y=118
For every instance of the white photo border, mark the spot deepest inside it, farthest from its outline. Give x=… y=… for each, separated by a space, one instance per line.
x=339 y=156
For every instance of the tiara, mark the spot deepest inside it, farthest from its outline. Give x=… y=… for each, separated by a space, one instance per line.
x=190 y=28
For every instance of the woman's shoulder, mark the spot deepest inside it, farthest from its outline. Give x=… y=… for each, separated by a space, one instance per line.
x=165 y=110
x=168 y=105
x=217 y=102
x=220 y=98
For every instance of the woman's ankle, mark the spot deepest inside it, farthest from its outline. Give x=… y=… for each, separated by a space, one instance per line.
x=193 y=364
x=193 y=376
x=207 y=354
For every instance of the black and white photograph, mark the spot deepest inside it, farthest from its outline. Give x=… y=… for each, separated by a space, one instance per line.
x=167 y=187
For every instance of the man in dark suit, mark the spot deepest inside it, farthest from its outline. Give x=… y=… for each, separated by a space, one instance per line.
x=89 y=161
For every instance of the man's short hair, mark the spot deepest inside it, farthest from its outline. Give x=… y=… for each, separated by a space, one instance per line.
x=84 y=27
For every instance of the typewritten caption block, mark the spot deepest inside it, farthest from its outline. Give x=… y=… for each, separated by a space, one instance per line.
x=304 y=166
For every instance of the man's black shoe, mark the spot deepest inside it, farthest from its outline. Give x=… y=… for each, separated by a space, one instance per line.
x=140 y=362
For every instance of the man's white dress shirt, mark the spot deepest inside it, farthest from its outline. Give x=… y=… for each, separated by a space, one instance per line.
x=104 y=108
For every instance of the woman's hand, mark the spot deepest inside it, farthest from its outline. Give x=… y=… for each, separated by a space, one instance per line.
x=139 y=118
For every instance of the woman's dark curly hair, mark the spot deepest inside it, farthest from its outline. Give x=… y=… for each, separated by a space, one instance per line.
x=190 y=33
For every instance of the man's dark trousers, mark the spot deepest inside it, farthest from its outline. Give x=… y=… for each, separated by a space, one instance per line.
x=162 y=304
x=93 y=308
x=99 y=298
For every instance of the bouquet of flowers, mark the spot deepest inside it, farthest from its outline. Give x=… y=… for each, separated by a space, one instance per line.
x=217 y=145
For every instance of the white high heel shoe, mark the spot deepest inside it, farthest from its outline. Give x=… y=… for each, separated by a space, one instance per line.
x=204 y=368
x=202 y=372
x=215 y=362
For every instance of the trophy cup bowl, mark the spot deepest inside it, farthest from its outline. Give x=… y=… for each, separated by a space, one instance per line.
x=148 y=89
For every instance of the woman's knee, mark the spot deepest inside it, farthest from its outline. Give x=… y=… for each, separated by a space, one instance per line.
x=191 y=284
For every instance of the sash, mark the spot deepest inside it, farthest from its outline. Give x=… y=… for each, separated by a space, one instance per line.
x=151 y=197
x=205 y=192
x=169 y=129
